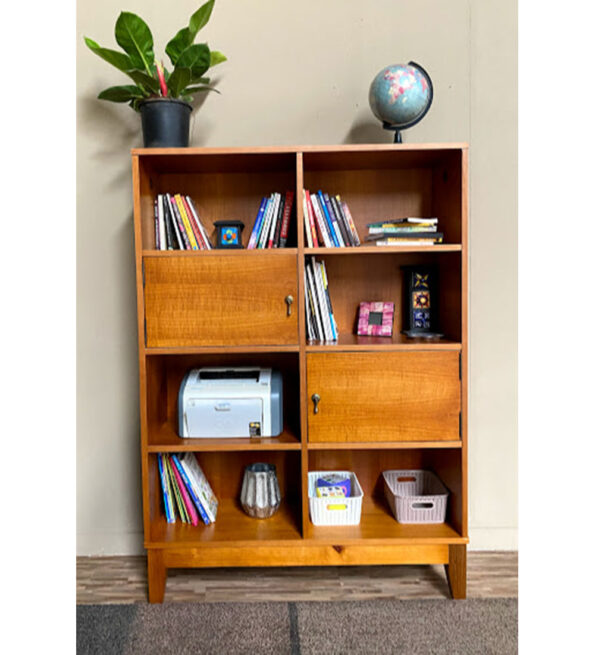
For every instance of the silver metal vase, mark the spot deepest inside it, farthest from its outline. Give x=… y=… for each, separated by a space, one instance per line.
x=260 y=495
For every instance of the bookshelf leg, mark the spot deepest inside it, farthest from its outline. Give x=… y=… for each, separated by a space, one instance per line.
x=456 y=570
x=157 y=576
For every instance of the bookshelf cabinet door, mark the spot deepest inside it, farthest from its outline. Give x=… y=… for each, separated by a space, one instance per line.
x=215 y=300
x=370 y=397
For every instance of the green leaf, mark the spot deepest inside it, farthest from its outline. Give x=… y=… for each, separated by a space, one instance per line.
x=185 y=37
x=200 y=80
x=134 y=37
x=121 y=93
x=145 y=81
x=200 y=17
x=196 y=89
x=118 y=59
x=178 y=44
x=197 y=58
x=178 y=80
x=217 y=57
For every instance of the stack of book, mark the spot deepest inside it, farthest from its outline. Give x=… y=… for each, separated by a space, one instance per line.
x=177 y=224
x=185 y=489
x=405 y=232
x=328 y=222
x=320 y=321
x=272 y=221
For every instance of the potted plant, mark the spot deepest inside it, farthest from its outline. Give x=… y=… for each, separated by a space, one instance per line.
x=161 y=96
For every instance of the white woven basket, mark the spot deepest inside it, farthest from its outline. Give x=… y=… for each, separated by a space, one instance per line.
x=415 y=496
x=335 y=511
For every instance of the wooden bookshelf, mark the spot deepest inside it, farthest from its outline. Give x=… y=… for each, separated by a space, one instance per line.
x=227 y=308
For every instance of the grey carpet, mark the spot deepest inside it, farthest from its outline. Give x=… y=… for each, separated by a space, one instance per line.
x=424 y=627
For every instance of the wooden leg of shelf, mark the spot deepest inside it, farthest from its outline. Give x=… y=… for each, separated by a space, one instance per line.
x=456 y=570
x=156 y=575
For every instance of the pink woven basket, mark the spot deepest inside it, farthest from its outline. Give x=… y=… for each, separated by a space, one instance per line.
x=415 y=496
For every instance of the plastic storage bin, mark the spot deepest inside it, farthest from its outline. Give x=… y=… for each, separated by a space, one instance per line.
x=335 y=511
x=415 y=496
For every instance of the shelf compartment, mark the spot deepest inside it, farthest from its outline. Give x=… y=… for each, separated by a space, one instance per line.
x=165 y=373
x=392 y=184
x=355 y=278
x=224 y=471
x=223 y=185
x=261 y=252
x=378 y=522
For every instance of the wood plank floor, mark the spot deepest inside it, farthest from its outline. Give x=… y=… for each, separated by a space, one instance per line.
x=105 y=580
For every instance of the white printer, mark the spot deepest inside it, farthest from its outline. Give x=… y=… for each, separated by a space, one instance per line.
x=230 y=402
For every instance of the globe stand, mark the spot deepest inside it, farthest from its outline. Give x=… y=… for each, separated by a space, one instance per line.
x=396 y=130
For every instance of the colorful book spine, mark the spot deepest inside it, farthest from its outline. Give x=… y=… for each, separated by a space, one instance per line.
x=289 y=195
x=307 y=230
x=347 y=214
x=167 y=504
x=311 y=223
x=405 y=229
x=314 y=304
x=156 y=216
x=273 y=227
x=177 y=220
x=338 y=219
x=176 y=492
x=333 y=219
x=201 y=227
x=193 y=495
x=193 y=224
x=329 y=222
x=264 y=232
x=189 y=506
x=201 y=485
x=320 y=222
x=185 y=222
x=347 y=236
x=258 y=224
x=277 y=237
x=328 y=299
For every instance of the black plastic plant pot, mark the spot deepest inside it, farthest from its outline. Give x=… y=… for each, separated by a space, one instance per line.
x=166 y=123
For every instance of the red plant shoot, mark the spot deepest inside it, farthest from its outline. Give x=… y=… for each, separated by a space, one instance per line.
x=161 y=76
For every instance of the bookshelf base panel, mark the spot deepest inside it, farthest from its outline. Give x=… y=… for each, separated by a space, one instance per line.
x=452 y=556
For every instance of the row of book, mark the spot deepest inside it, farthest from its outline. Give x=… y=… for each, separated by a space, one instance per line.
x=177 y=224
x=320 y=320
x=328 y=222
x=185 y=489
x=405 y=232
x=271 y=226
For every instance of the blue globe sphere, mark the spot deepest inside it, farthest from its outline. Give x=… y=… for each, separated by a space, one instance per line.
x=401 y=95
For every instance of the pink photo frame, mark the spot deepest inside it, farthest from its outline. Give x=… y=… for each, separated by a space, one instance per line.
x=376 y=319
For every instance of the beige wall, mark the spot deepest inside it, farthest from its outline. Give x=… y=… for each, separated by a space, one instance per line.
x=298 y=73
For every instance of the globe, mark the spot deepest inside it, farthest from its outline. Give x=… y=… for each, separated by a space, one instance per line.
x=400 y=96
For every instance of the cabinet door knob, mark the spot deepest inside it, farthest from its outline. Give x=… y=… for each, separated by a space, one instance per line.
x=289 y=302
x=315 y=400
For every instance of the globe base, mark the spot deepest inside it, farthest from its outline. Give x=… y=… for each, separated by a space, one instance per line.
x=396 y=130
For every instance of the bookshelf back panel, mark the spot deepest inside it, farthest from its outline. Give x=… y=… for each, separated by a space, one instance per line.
x=354 y=279
x=225 y=472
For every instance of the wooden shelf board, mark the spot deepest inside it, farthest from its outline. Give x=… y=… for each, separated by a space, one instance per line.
x=165 y=440
x=233 y=527
x=384 y=445
x=216 y=350
x=378 y=525
x=262 y=252
x=383 y=250
x=396 y=342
